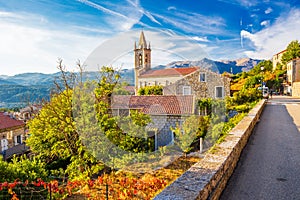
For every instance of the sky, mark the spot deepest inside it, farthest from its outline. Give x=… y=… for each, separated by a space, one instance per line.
x=34 y=34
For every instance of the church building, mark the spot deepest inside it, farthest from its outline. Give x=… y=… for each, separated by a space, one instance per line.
x=196 y=81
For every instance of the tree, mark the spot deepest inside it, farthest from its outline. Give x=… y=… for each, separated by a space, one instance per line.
x=133 y=138
x=22 y=169
x=292 y=52
x=120 y=89
x=193 y=127
x=151 y=90
x=267 y=67
x=115 y=140
x=53 y=134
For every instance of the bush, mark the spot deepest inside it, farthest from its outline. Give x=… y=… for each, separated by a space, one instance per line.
x=151 y=90
x=22 y=169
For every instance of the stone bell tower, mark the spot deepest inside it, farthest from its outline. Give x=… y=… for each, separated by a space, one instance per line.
x=142 y=59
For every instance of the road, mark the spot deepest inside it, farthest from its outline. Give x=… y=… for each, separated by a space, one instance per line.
x=269 y=167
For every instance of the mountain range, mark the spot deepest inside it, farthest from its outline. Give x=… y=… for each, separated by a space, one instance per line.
x=20 y=89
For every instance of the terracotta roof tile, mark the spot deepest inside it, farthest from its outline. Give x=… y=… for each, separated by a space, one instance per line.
x=281 y=52
x=6 y=122
x=169 y=72
x=156 y=105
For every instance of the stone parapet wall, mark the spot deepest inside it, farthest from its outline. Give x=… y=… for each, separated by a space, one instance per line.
x=296 y=89
x=207 y=178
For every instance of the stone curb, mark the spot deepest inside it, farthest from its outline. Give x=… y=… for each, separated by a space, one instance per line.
x=207 y=178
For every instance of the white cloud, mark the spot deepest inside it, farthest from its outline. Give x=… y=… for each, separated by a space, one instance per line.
x=200 y=39
x=102 y=8
x=268 y=11
x=27 y=48
x=193 y=22
x=121 y=17
x=172 y=8
x=166 y=47
x=265 y=23
x=244 y=3
x=276 y=37
x=33 y=43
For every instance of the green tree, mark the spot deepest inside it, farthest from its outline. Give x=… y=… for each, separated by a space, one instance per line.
x=23 y=169
x=205 y=106
x=120 y=89
x=188 y=132
x=151 y=90
x=265 y=64
x=292 y=52
x=134 y=137
x=53 y=134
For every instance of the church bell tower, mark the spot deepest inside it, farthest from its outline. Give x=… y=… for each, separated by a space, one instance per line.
x=142 y=59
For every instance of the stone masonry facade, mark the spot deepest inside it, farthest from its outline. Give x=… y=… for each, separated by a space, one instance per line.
x=163 y=124
x=201 y=89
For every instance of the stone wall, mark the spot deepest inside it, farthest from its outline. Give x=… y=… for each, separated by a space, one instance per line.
x=296 y=89
x=10 y=134
x=207 y=178
x=163 y=123
x=205 y=89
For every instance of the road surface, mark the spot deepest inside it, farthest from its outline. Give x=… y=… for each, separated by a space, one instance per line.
x=269 y=167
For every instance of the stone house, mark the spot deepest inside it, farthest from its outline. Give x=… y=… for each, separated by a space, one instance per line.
x=201 y=83
x=165 y=111
x=163 y=77
x=182 y=87
x=12 y=134
x=195 y=81
x=276 y=59
x=293 y=77
x=27 y=112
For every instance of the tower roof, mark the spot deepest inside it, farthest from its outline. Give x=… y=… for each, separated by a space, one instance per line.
x=142 y=42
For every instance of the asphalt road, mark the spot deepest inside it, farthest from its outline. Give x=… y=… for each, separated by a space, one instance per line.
x=269 y=167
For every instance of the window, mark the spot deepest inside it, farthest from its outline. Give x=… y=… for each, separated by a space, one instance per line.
x=18 y=139
x=140 y=59
x=186 y=90
x=202 y=77
x=219 y=92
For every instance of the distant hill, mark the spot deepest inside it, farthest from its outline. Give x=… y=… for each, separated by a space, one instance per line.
x=20 y=89
x=234 y=67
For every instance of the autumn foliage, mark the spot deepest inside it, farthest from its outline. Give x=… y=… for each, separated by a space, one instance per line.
x=103 y=187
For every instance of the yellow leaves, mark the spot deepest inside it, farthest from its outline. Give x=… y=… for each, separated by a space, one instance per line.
x=239 y=85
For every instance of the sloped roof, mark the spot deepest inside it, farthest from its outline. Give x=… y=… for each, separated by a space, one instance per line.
x=169 y=72
x=280 y=52
x=156 y=105
x=6 y=122
x=142 y=41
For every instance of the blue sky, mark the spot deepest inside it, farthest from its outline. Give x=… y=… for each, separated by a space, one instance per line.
x=35 y=33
